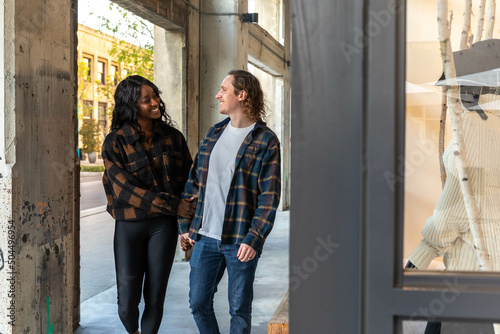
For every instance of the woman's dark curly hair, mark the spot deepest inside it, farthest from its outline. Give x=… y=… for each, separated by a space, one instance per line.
x=254 y=103
x=126 y=96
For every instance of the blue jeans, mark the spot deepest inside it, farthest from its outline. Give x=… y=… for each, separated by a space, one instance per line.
x=208 y=263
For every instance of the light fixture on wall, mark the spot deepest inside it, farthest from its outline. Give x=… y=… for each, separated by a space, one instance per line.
x=250 y=17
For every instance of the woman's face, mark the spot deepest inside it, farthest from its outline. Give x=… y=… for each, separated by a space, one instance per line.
x=148 y=104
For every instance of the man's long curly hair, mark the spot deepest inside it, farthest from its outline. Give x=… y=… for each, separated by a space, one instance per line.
x=254 y=103
x=126 y=96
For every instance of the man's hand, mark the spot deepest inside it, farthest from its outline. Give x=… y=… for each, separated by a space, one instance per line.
x=186 y=208
x=246 y=253
x=186 y=242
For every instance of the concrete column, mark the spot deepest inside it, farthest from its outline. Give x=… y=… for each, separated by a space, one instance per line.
x=170 y=73
x=286 y=120
x=224 y=46
x=193 y=78
x=7 y=159
x=38 y=166
x=170 y=77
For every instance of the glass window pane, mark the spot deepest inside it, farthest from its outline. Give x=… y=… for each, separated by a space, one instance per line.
x=103 y=120
x=88 y=106
x=272 y=87
x=88 y=64
x=447 y=327
x=101 y=72
x=452 y=183
x=102 y=110
x=270 y=16
x=114 y=74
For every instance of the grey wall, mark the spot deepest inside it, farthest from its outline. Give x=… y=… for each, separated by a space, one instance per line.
x=223 y=48
x=327 y=128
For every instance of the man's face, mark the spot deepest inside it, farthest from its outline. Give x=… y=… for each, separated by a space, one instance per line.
x=229 y=102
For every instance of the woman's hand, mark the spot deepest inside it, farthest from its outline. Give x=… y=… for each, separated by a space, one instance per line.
x=186 y=208
x=186 y=242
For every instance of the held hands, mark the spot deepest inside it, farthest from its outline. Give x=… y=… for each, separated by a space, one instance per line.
x=187 y=207
x=186 y=242
x=246 y=253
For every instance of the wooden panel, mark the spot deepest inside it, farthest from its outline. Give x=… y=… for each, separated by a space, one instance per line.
x=265 y=52
x=279 y=322
x=166 y=14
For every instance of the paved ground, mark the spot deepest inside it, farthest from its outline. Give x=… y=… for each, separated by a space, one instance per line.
x=92 y=191
x=98 y=286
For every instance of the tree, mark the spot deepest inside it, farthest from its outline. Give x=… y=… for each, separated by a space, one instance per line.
x=459 y=149
x=135 y=45
x=90 y=136
x=83 y=85
x=133 y=49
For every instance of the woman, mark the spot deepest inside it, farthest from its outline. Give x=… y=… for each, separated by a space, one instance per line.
x=147 y=163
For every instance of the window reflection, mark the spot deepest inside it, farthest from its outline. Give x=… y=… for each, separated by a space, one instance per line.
x=101 y=72
x=447 y=327
x=438 y=211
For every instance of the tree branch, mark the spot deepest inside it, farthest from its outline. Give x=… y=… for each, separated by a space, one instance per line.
x=466 y=26
x=490 y=24
x=480 y=22
x=458 y=144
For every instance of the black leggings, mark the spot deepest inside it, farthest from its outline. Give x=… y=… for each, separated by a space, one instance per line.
x=144 y=249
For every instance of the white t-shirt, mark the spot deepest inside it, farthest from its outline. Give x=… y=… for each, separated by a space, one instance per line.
x=220 y=174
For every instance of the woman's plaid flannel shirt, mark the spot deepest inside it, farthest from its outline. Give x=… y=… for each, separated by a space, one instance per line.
x=132 y=189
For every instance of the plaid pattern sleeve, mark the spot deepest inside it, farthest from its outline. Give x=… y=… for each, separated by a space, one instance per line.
x=131 y=188
x=191 y=189
x=269 y=190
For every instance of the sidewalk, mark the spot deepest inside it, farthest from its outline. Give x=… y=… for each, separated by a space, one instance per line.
x=98 y=294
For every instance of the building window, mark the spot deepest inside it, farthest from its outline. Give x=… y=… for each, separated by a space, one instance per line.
x=103 y=120
x=88 y=106
x=101 y=73
x=88 y=64
x=114 y=74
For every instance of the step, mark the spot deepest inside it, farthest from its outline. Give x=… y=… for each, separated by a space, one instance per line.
x=279 y=322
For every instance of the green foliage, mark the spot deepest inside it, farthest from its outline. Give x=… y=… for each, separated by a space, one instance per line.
x=137 y=56
x=92 y=168
x=134 y=50
x=90 y=135
x=83 y=86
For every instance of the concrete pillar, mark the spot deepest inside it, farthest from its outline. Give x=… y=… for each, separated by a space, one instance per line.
x=39 y=183
x=286 y=120
x=193 y=78
x=170 y=73
x=170 y=77
x=7 y=159
x=224 y=46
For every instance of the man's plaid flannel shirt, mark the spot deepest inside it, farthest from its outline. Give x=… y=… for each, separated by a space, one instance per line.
x=132 y=189
x=255 y=188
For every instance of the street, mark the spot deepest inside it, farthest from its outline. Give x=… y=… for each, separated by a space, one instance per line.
x=96 y=238
x=92 y=192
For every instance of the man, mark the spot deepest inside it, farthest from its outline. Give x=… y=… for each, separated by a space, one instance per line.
x=236 y=179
